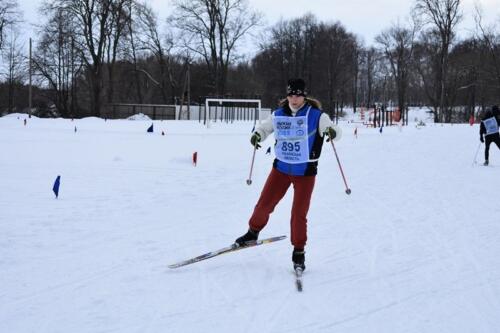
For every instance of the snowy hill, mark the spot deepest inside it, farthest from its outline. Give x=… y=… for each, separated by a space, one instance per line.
x=414 y=248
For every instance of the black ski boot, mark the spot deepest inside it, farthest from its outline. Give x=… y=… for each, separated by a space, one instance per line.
x=298 y=259
x=486 y=163
x=250 y=236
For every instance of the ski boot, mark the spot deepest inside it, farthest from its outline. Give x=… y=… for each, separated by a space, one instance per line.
x=250 y=236
x=486 y=163
x=298 y=259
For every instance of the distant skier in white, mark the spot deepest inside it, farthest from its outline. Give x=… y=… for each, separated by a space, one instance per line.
x=299 y=127
x=489 y=129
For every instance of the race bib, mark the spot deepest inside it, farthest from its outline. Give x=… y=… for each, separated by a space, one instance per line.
x=491 y=125
x=292 y=143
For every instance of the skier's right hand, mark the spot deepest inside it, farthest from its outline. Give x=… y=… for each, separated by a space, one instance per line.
x=255 y=139
x=481 y=138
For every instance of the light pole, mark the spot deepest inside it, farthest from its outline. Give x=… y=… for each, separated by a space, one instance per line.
x=29 y=88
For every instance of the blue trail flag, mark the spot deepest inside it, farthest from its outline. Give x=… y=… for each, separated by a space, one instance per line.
x=150 y=129
x=55 y=188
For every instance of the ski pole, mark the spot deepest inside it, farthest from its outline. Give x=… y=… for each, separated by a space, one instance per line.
x=249 y=180
x=347 y=189
x=477 y=151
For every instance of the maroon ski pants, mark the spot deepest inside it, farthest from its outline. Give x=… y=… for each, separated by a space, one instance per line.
x=277 y=184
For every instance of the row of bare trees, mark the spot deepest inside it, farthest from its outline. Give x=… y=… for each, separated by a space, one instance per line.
x=420 y=62
x=90 y=53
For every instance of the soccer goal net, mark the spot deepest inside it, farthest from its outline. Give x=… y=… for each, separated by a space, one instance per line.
x=230 y=110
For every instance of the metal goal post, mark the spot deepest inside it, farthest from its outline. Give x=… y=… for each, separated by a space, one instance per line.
x=232 y=109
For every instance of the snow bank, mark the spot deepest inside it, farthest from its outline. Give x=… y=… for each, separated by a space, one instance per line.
x=139 y=116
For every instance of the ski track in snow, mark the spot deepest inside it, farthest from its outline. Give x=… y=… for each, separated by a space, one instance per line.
x=414 y=248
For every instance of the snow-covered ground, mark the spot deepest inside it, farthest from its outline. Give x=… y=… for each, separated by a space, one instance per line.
x=414 y=248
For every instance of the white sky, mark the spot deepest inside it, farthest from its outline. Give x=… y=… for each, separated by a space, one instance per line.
x=365 y=18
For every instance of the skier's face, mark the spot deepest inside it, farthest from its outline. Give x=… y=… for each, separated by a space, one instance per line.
x=295 y=101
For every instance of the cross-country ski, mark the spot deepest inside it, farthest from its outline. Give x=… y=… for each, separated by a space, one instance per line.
x=298 y=278
x=227 y=249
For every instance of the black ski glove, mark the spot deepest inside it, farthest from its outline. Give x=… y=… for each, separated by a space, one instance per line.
x=255 y=139
x=330 y=132
x=481 y=138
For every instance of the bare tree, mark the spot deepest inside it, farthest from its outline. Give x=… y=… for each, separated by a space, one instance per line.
x=490 y=36
x=340 y=55
x=135 y=48
x=397 y=44
x=294 y=42
x=121 y=17
x=357 y=63
x=211 y=29
x=58 y=61
x=93 y=24
x=370 y=56
x=443 y=16
x=324 y=54
x=161 y=47
x=54 y=61
x=12 y=59
x=13 y=69
x=9 y=15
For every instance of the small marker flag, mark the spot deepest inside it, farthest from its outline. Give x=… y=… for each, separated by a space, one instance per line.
x=55 y=188
x=195 y=158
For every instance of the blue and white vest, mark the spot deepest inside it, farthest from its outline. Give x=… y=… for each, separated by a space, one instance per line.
x=298 y=143
x=491 y=125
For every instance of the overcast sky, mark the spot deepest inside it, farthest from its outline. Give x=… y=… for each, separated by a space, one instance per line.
x=365 y=18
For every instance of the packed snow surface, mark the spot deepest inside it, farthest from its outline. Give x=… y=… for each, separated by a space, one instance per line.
x=414 y=248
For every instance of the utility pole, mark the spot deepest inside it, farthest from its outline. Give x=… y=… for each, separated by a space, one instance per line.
x=186 y=91
x=73 y=81
x=29 y=88
x=189 y=90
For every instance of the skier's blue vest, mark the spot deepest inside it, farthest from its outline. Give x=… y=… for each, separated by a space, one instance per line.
x=314 y=139
x=491 y=125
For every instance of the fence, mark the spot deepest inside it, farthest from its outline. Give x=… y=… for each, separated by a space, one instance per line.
x=153 y=111
x=171 y=112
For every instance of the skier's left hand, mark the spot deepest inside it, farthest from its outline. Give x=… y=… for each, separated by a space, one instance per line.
x=334 y=133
